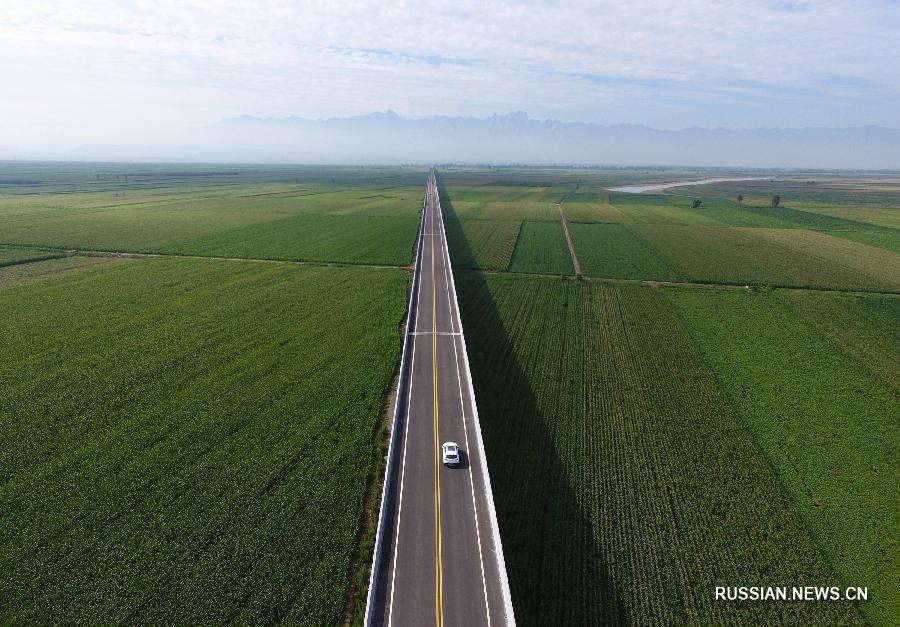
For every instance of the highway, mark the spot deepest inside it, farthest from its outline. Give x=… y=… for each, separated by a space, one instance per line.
x=440 y=558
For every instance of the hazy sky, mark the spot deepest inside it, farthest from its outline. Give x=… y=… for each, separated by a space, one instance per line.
x=119 y=71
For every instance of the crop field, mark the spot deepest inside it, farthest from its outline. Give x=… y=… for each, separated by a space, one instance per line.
x=647 y=443
x=500 y=228
x=580 y=210
x=626 y=482
x=542 y=249
x=338 y=219
x=614 y=251
x=493 y=202
x=887 y=240
x=647 y=209
x=865 y=327
x=787 y=257
x=10 y=256
x=483 y=244
x=829 y=427
x=188 y=440
x=588 y=178
x=312 y=237
x=823 y=240
x=860 y=206
x=194 y=360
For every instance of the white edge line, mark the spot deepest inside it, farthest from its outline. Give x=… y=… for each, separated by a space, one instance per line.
x=412 y=370
x=462 y=407
x=492 y=513
x=388 y=475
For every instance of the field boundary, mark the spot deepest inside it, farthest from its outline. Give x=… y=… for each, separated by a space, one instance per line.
x=65 y=251
x=562 y=217
x=515 y=247
x=489 y=495
x=22 y=262
x=685 y=284
x=391 y=461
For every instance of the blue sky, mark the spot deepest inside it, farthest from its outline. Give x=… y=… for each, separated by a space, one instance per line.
x=107 y=71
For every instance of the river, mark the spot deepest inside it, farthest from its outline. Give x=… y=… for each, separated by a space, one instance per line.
x=639 y=188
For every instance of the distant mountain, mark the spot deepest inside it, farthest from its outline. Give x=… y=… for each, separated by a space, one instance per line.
x=516 y=138
x=512 y=138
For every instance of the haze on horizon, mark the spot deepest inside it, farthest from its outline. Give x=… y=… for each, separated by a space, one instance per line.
x=152 y=73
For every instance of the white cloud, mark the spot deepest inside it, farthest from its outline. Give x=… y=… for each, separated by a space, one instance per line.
x=94 y=68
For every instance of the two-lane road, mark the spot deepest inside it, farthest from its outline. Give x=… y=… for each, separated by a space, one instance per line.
x=442 y=564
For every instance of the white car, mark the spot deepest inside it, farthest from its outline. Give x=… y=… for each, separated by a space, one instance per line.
x=450 y=452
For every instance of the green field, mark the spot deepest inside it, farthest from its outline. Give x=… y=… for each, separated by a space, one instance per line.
x=312 y=237
x=368 y=221
x=507 y=202
x=865 y=328
x=881 y=239
x=194 y=440
x=11 y=256
x=482 y=244
x=647 y=444
x=784 y=257
x=614 y=251
x=541 y=249
x=626 y=482
x=807 y=241
x=188 y=441
x=829 y=428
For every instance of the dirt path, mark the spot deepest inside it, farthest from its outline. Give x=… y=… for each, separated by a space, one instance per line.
x=85 y=252
x=690 y=284
x=562 y=218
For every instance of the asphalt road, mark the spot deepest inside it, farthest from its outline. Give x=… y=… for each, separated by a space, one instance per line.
x=440 y=565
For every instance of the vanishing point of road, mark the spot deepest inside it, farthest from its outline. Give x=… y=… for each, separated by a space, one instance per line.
x=441 y=563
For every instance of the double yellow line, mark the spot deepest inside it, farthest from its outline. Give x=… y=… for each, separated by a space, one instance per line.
x=438 y=563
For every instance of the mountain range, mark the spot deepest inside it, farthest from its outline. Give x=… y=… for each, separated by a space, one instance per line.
x=512 y=138
x=515 y=138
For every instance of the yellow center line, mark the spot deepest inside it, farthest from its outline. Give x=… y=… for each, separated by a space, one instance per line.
x=439 y=566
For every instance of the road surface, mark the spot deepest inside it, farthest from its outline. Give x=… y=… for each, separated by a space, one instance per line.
x=441 y=564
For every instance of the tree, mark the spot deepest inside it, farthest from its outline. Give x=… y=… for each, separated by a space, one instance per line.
x=696 y=203
x=740 y=198
x=776 y=200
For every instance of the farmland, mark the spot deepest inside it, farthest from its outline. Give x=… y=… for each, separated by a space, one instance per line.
x=542 y=249
x=10 y=256
x=192 y=438
x=482 y=244
x=865 y=328
x=612 y=250
x=647 y=443
x=195 y=358
x=824 y=240
x=829 y=428
x=342 y=218
x=626 y=483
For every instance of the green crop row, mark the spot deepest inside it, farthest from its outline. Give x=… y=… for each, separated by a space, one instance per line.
x=626 y=484
x=187 y=441
x=614 y=251
x=10 y=256
x=783 y=257
x=542 y=249
x=829 y=427
x=305 y=220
